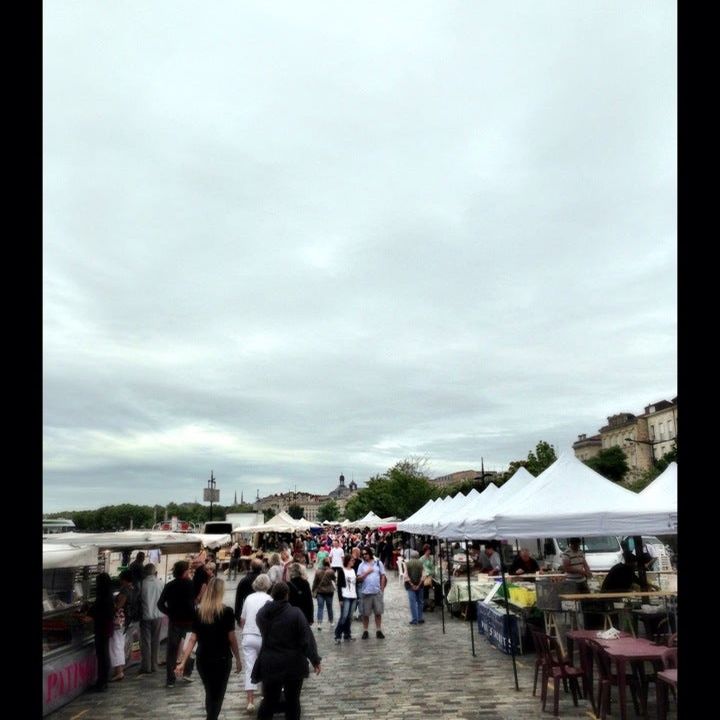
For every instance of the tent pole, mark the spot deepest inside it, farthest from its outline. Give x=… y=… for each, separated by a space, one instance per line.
x=442 y=586
x=641 y=570
x=507 y=614
x=472 y=630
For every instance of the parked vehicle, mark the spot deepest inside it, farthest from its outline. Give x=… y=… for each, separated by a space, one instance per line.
x=57 y=525
x=601 y=552
x=217 y=527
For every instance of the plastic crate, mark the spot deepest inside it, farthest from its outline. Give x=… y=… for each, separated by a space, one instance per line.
x=548 y=593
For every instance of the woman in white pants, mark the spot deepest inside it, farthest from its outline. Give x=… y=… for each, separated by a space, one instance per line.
x=251 y=638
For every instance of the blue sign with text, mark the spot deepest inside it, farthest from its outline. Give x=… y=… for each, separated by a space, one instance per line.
x=499 y=628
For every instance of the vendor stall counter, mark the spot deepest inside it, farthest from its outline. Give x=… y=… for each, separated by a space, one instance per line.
x=68 y=649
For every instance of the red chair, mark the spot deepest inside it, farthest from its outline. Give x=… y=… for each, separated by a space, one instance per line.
x=666 y=679
x=555 y=665
x=669 y=661
x=608 y=679
x=539 y=659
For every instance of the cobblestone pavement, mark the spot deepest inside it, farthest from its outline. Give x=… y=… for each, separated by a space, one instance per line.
x=416 y=672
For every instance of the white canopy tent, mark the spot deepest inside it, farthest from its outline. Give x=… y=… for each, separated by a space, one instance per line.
x=63 y=555
x=136 y=539
x=476 y=524
x=409 y=523
x=282 y=523
x=449 y=526
x=304 y=524
x=371 y=520
x=441 y=510
x=662 y=491
x=569 y=498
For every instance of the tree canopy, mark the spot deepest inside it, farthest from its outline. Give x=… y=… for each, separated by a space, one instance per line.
x=295 y=511
x=611 y=463
x=122 y=517
x=328 y=511
x=543 y=457
x=399 y=491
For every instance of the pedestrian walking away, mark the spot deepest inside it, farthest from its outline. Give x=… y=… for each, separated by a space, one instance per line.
x=287 y=645
x=213 y=630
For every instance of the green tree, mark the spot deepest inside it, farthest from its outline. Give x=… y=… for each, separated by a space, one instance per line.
x=267 y=514
x=295 y=511
x=641 y=481
x=611 y=463
x=543 y=457
x=328 y=511
x=355 y=507
x=666 y=459
x=399 y=491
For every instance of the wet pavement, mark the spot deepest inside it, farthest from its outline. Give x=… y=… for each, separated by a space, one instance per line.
x=416 y=672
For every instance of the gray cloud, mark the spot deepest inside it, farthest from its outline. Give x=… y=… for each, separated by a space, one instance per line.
x=285 y=242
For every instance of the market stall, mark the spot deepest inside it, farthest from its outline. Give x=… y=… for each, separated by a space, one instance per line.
x=68 y=652
x=70 y=563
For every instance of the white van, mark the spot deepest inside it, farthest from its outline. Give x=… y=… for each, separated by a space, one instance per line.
x=601 y=553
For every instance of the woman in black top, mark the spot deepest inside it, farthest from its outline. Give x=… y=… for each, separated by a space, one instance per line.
x=287 y=645
x=299 y=589
x=214 y=632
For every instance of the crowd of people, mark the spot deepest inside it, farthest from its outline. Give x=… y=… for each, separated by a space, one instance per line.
x=276 y=607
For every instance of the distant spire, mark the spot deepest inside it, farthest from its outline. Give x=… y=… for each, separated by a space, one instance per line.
x=242 y=502
x=258 y=494
x=235 y=502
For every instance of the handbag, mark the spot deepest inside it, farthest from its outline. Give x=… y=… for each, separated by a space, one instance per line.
x=428 y=581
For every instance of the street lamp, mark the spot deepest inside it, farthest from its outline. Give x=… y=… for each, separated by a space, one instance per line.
x=210 y=493
x=651 y=443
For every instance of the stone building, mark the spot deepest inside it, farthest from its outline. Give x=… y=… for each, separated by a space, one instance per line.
x=461 y=475
x=309 y=502
x=644 y=438
x=342 y=493
x=586 y=447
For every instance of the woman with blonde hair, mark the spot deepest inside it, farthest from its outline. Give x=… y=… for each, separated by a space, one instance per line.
x=251 y=639
x=213 y=630
x=275 y=569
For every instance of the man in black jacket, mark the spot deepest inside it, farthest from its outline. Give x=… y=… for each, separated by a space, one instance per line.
x=177 y=601
x=622 y=577
x=287 y=645
x=244 y=587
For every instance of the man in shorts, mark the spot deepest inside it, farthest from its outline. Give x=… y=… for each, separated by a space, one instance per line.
x=372 y=574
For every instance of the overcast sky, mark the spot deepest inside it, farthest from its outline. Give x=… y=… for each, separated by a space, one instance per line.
x=286 y=240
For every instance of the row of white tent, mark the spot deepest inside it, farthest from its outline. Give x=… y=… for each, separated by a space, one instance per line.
x=567 y=499
x=284 y=523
